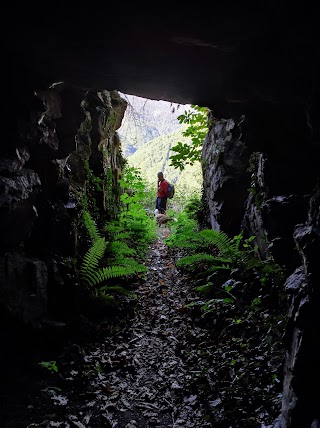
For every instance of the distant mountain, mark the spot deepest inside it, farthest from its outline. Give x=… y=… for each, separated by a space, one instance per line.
x=145 y=120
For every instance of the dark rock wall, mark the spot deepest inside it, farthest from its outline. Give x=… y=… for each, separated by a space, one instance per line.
x=225 y=160
x=61 y=139
x=302 y=372
x=261 y=176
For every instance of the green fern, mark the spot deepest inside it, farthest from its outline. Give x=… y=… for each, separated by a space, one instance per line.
x=110 y=272
x=220 y=239
x=202 y=241
x=119 y=290
x=121 y=249
x=107 y=298
x=128 y=262
x=200 y=258
x=112 y=227
x=118 y=235
x=120 y=265
x=90 y=226
x=206 y=240
x=121 y=235
x=206 y=288
x=91 y=260
x=188 y=240
x=215 y=268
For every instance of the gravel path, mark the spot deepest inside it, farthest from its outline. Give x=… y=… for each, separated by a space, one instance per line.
x=147 y=374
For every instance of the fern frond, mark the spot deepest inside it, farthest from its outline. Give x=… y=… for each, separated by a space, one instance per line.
x=199 y=258
x=118 y=289
x=121 y=249
x=112 y=227
x=91 y=259
x=189 y=240
x=90 y=226
x=220 y=239
x=206 y=288
x=107 y=298
x=126 y=261
x=118 y=232
x=246 y=259
x=121 y=235
x=213 y=269
x=106 y=273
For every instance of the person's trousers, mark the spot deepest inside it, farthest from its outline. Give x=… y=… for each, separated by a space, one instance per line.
x=161 y=205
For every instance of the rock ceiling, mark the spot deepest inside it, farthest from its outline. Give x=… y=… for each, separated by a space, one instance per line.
x=225 y=55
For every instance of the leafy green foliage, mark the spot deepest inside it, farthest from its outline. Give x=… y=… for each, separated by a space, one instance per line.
x=93 y=195
x=183 y=232
x=213 y=255
x=224 y=244
x=133 y=220
x=201 y=259
x=197 y=129
x=194 y=208
x=106 y=273
x=50 y=365
x=212 y=249
x=114 y=255
x=118 y=289
x=93 y=269
x=132 y=184
x=91 y=226
x=94 y=276
x=120 y=248
x=91 y=261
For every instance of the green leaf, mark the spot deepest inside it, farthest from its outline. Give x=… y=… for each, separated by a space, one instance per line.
x=188 y=153
x=50 y=365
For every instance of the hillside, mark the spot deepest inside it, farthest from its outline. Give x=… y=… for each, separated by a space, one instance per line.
x=147 y=119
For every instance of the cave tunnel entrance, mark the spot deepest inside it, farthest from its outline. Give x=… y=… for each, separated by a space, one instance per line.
x=150 y=135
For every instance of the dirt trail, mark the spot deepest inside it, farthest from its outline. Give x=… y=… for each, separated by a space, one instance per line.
x=146 y=375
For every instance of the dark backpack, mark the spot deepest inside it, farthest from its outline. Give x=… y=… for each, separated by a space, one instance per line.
x=170 y=191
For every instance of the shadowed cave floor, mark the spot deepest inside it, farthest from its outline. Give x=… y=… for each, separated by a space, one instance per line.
x=163 y=367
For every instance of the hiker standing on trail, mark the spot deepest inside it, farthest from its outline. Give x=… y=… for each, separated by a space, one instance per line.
x=161 y=201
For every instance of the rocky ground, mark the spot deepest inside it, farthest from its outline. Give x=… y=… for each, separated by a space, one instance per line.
x=161 y=367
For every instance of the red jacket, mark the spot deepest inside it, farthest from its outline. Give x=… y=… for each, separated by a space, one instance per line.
x=162 y=189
